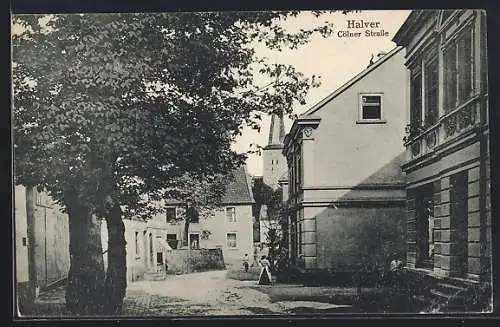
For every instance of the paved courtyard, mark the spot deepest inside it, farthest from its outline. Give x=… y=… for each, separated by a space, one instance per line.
x=197 y=294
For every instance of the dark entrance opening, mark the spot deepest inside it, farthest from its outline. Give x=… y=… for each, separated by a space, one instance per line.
x=194 y=240
x=159 y=258
x=459 y=217
x=424 y=206
x=293 y=238
x=151 y=249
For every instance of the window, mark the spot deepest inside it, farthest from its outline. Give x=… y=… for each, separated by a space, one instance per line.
x=136 y=243
x=171 y=214
x=231 y=214
x=42 y=199
x=192 y=214
x=231 y=240
x=39 y=198
x=458 y=64
x=370 y=107
x=416 y=100
x=465 y=60
x=450 y=78
x=299 y=170
x=431 y=92
x=172 y=240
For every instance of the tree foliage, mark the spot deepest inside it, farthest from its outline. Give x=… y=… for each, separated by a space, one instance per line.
x=113 y=112
x=147 y=96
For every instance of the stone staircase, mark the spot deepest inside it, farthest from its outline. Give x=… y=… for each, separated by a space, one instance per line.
x=155 y=274
x=449 y=296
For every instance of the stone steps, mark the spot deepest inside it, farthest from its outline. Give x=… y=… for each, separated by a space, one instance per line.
x=450 y=297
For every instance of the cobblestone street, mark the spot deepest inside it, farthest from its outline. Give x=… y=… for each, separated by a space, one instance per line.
x=206 y=293
x=197 y=294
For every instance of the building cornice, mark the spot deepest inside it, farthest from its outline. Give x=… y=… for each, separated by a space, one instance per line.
x=273 y=147
x=404 y=33
x=299 y=124
x=364 y=186
x=339 y=203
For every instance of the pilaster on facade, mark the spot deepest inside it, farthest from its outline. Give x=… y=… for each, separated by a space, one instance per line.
x=308 y=239
x=448 y=155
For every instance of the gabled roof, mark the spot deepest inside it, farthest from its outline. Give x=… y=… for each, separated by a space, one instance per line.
x=239 y=190
x=352 y=81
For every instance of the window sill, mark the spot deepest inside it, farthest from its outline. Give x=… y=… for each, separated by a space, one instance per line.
x=377 y=121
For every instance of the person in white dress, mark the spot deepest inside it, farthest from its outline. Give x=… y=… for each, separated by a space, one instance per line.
x=265 y=277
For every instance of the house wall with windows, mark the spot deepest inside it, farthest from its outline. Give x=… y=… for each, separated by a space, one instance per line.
x=346 y=196
x=146 y=248
x=229 y=227
x=447 y=164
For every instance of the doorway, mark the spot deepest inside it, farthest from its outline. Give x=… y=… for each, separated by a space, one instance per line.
x=424 y=205
x=159 y=258
x=459 y=217
x=293 y=238
x=151 y=249
x=194 y=241
x=145 y=248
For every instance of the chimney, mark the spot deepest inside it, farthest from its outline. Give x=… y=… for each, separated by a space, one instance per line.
x=371 y=61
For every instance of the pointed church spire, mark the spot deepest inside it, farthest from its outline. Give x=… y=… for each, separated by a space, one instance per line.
x=277 y=130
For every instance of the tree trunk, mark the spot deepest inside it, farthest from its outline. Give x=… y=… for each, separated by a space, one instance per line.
x=116 y=274
x=86 y=273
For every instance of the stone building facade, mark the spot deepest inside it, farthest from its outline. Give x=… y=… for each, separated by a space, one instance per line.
x=229 y=227
x=447 y=163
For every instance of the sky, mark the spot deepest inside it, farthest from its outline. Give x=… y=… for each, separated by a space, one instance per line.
x=336 y=59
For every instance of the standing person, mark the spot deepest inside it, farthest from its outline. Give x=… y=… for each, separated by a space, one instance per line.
x=245 y=262
x=255 y=255
x=265 y=275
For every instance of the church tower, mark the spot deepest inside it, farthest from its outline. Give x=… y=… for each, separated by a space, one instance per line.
x=274 y=162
